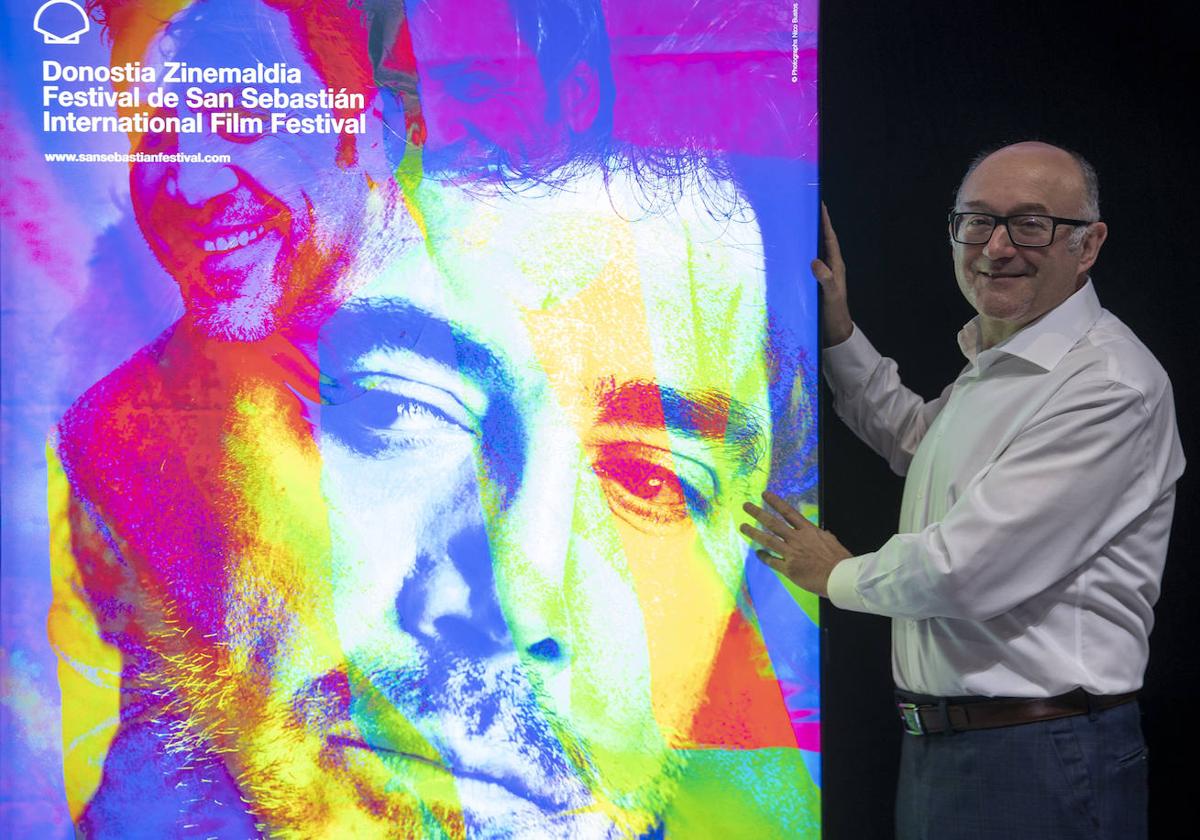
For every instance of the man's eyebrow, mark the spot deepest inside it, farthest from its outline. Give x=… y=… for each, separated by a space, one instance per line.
x=1027 y=207
x=707 y=414
x=359 y=328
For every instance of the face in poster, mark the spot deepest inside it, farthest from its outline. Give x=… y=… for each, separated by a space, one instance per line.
x=417 y=517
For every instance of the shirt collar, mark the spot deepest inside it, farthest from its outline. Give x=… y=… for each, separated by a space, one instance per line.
x=1046 y=340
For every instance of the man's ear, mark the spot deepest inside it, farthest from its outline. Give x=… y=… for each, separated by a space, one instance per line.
x=1090 y=249
x=579 y=94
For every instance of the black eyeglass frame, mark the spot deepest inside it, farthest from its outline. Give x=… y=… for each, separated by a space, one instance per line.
x=998 y=220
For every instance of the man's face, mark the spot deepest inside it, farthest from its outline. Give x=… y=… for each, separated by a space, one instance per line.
x=1008 y=283
x=534 y=435
x=251 y=240
x=479 y=83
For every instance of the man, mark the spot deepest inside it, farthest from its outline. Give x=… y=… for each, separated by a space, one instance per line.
x=260 y=246
x=264 y=239
x=462 y=561
x=518 y=88
x=507 y=612
x=489 y=583
x=1038 y=501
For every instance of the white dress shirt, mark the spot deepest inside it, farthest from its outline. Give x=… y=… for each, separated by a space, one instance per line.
x=1037 y=505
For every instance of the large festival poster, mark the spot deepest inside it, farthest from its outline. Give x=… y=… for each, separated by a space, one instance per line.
x=382 y=382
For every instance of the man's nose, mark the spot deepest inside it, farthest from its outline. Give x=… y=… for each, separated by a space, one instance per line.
x=449 y=601
x=999 y=244
x=197 y=181
x=539 y=543
x=493 y=586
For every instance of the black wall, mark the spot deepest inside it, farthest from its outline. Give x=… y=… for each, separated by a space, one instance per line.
x=910 y=91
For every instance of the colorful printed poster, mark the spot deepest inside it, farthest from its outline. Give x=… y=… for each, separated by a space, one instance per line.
x=382 y=384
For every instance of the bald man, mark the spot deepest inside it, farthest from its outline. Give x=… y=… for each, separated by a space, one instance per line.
x=1039 y=491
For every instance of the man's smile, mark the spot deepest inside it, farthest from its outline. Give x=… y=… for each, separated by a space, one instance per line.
x=234 y=239
x=1000 y=273
x=220 y=227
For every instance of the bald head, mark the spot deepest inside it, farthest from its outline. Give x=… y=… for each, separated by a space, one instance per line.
x=1078 y=181
x=1041 y=187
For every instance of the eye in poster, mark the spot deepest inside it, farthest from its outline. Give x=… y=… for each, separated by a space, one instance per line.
x=382 y=384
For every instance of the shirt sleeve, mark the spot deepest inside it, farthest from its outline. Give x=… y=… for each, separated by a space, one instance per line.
x=1067 y=485
x=870 y=399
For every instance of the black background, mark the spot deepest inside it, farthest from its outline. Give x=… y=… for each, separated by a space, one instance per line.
x=910 y=91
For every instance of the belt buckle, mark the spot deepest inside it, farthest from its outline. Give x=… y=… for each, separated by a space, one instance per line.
x=910 y=716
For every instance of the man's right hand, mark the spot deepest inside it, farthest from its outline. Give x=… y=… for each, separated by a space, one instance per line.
x=831 y=274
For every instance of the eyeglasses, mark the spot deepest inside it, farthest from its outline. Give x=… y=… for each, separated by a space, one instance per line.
x=1029 y=230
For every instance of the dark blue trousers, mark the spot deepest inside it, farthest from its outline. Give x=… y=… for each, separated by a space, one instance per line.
x=1076 y=778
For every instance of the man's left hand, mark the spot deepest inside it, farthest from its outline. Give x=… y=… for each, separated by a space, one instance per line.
x=794 y=546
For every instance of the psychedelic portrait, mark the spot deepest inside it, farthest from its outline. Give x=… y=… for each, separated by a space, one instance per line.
x=382 y=384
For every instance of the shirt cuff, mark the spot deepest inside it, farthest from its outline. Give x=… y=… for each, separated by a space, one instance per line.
x=849 y=363
x=842 y=586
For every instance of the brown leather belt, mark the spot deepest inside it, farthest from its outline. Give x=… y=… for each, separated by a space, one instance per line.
x=923 y=715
